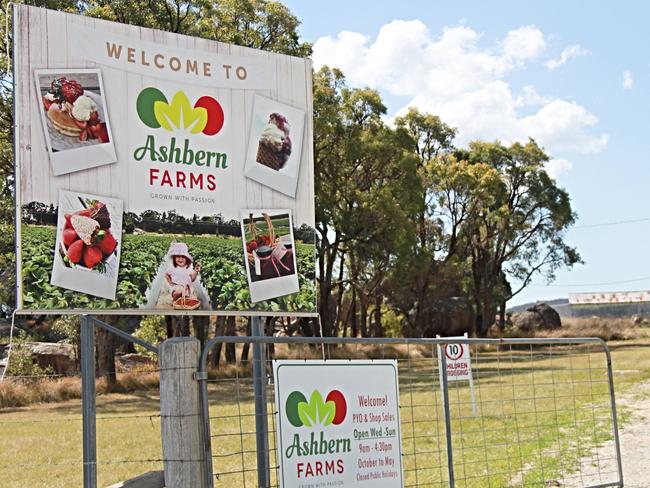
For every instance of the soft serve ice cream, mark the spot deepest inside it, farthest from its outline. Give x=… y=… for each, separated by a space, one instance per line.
x=274 y=146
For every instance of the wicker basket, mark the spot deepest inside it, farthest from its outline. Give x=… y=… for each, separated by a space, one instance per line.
x=186 y=303
x=253 y=230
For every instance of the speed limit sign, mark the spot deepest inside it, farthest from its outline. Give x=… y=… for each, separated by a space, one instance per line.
x=454 y=351
x=459 y=362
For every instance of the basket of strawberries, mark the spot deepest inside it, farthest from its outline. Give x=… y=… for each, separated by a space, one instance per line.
x=86 y=241
x=261 y=244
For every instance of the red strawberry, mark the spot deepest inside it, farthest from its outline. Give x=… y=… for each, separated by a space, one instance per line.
x=80 y=123
x=75 y=251
x=92 y=256
x=69 y=236
x=94 y=118
x=83 y=136
x=108 y=243
x=47 y=103
x=67 y=225
x=102 y=133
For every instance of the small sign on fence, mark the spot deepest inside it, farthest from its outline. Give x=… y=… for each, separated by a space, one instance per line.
x=459 y=365
x=338 y=424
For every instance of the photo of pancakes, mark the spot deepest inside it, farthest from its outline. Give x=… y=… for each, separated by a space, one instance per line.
x=74 y=110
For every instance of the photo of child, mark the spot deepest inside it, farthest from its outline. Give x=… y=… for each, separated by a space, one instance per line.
x=177 y=284
x=182 y=272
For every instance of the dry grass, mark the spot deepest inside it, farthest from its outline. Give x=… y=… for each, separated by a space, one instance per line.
x=609 y=329
x=22 y=392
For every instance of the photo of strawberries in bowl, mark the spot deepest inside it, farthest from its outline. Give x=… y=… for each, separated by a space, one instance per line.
x=86 y=240
x=74 y=113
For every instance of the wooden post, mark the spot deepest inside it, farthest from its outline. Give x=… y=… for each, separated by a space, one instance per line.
x=180 y=410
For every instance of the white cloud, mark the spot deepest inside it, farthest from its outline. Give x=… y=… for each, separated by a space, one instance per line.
x=628 y=80
x=556 y=167
x=453 y=75
x=568 y=53
x=524 y=43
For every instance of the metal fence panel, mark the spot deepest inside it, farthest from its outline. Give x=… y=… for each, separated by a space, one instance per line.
x=541 y=406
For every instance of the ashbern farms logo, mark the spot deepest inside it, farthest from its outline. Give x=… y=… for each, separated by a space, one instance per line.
x=316 y=412
x=313 y=414
x=204 y=118
x=153 y=109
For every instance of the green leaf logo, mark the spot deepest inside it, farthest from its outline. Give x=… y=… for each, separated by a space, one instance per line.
x=317 y=411
x=180 y=114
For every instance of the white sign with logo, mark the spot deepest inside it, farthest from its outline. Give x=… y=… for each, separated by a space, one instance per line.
x=338 y=424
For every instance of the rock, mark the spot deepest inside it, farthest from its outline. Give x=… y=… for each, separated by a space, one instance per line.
x=153 y=479
x=60 y=357
x=538 y=317
x=137 y=362
x=638 y=320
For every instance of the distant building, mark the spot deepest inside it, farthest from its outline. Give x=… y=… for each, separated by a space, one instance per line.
x=610 y=304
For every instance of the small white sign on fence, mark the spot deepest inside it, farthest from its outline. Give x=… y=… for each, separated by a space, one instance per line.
x=459 y=362
x=338 y=424
x=459 y=365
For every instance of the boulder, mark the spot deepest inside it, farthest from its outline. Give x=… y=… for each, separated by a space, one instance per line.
x=540 y=316
x=60 y=357
x=134 y=362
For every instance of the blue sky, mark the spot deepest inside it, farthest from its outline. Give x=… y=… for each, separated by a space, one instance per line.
x=497 y=70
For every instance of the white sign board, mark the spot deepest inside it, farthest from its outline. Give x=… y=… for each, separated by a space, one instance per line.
x=140 y=154
x=459 y=363
x=338 y=424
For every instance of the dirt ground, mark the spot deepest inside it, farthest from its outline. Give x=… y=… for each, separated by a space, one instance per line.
x=635 y=448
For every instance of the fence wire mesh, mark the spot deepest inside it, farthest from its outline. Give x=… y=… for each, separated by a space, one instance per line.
x=40 y=443
x=540 y=410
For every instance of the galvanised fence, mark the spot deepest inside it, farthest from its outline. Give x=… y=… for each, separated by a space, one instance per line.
x=532 y=417
x=537 y=410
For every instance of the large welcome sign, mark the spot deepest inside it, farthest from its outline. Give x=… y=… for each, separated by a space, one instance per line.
x=338 y=424
x=158 y=172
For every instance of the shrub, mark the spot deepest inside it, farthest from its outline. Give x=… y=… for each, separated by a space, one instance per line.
x=153 y=330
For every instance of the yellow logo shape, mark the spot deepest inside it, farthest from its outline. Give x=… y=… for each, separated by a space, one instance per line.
x=180 y=114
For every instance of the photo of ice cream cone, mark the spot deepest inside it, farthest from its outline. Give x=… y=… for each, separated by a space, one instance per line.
x=274 y=146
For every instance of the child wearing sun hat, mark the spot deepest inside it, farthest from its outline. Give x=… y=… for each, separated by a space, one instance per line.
x=181 y=274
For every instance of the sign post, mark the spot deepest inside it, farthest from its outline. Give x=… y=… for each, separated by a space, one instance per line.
x=458 y=365
x=338 y=424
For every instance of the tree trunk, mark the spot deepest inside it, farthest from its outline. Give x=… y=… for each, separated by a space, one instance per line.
x=363 y=315
x=502 y=316
x=378 y=328
x=200 y=325
x=215 y=355
x=231 y=354
x=353 y=313
x=105 y=353
x=246 y=348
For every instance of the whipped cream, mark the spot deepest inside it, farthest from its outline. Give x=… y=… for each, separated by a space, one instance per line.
x=272 y=136
x=83 y=107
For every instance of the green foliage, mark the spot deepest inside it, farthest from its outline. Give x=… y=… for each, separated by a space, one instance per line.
x=21 y=361
x=222 y=273
x=153 y=330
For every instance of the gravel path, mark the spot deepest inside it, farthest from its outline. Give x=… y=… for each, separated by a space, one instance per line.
x=635 y=448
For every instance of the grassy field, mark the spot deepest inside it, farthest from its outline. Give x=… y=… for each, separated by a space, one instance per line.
x=539 y=412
